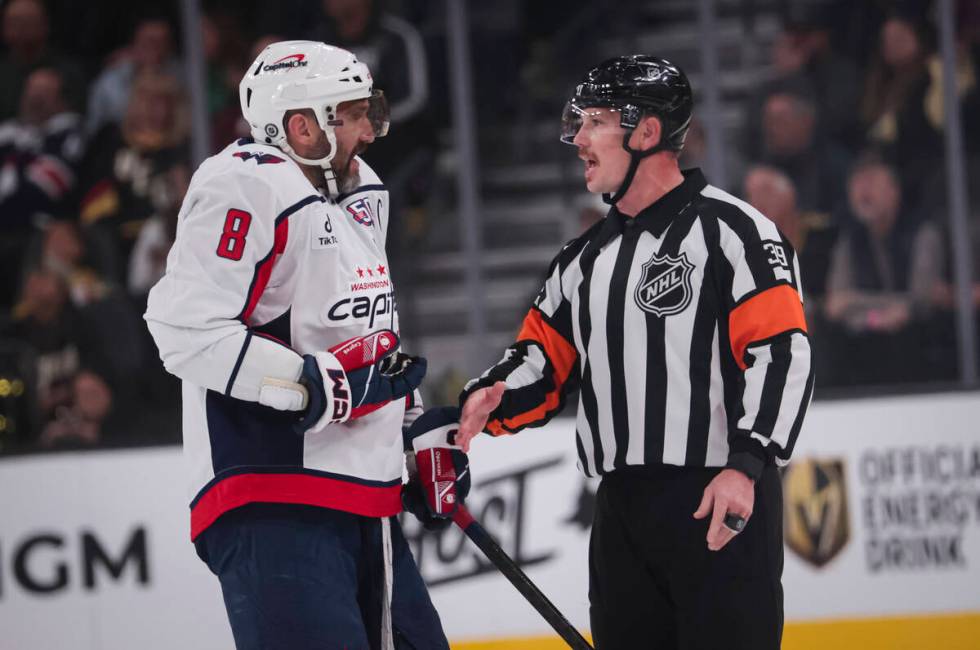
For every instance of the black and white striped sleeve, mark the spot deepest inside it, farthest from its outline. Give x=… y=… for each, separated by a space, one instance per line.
x=768 y=337
x=541 y=367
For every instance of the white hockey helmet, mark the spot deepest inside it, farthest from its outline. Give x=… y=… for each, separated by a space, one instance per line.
x=306 y=74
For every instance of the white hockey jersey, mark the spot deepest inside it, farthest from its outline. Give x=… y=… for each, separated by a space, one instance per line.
x=264 y=269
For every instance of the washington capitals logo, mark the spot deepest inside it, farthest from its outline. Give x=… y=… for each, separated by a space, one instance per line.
x=260 y=158
x=361 y=212
x=665 y=285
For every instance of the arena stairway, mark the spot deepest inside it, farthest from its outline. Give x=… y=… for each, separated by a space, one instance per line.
x=531 y=187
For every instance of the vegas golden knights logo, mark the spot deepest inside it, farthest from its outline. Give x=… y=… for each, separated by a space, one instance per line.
x=815 y=509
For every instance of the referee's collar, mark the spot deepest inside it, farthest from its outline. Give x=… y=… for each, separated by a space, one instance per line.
x=658 y=215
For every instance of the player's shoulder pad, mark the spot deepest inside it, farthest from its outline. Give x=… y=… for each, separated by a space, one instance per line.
x=248 y=162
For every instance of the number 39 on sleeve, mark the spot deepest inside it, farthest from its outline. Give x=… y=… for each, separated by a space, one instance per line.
x=232 y=243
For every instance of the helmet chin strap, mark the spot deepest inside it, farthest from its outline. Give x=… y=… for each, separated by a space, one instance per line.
x=329 y=174
x=635 y=158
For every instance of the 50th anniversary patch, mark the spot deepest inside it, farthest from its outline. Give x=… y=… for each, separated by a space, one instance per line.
x=664 y=288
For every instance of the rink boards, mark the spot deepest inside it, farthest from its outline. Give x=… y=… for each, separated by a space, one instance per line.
x=882 y=524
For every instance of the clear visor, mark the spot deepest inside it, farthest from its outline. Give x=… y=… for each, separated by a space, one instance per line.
x=377 y=114
x=596 y=120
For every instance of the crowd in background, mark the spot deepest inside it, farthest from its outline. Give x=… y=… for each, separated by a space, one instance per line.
x=842 y=147
x=845 y=152
x=94 y=164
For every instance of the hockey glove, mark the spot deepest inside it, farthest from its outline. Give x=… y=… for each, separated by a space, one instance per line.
x=441 y=479
x=355 y=378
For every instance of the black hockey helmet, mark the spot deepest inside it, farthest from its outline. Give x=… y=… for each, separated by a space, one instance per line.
x=636 y=85
x=639 y=85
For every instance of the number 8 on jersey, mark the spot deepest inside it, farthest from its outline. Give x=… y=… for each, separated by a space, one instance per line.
x=232 y=242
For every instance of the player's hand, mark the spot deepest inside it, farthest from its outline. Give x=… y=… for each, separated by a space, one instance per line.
x=477 y=409
x=730 y=491
x=440 y=479
x=353 y=379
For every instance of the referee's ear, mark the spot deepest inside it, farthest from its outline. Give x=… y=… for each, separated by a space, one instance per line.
x=647 y=133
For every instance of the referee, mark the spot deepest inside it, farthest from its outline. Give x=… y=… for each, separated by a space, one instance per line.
x=679 y=317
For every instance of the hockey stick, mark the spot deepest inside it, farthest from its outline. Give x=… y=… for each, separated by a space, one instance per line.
x=479 y=536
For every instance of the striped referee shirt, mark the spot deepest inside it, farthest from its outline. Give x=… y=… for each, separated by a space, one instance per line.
x=682 y=327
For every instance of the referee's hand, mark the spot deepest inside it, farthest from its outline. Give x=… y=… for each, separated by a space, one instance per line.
x=730 y=491
x=476 y=412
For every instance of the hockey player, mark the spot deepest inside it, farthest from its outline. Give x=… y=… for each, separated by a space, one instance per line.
x=679 y=317
x=277 y=312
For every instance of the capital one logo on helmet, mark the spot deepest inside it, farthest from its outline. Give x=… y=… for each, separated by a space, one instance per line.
x=287 y=62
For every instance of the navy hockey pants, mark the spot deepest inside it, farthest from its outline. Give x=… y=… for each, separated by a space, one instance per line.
x=304 y=578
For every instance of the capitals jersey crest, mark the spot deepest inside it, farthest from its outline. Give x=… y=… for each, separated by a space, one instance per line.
x=259 y=158
x=361 y=211
x=664 y=288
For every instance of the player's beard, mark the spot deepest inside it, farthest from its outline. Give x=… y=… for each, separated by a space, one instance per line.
x=348 y=180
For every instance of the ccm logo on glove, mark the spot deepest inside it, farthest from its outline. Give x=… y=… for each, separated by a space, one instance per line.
x=348 y=381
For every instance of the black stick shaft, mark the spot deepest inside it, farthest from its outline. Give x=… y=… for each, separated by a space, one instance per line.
x=479 y=536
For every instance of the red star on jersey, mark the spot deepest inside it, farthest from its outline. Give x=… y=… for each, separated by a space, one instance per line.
x=381 y=269
x=370 y=272
x=360 y=272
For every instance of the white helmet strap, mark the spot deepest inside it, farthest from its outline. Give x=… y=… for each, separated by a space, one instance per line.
x=329 y=175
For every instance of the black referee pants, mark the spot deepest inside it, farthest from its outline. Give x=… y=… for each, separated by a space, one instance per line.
x=653 y=583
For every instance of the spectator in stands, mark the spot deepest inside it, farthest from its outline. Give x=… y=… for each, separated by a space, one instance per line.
x=25 y=34
x=41 y=149
x=39 y=153
x=883 y=274
x=695 y=152
x=67 y=305
x=902 y=107
x=44 y=322
x=803 y=53
x=149 y=258
x=63 y=252
x=129 y=167
x=82 y=421
x=151 y=51
x=811 y=233
x=225 y=52
x=816 y=166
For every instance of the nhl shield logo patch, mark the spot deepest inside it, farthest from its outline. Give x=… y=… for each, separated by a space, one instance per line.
x=815 y=516
x=664 y=288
